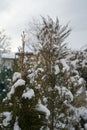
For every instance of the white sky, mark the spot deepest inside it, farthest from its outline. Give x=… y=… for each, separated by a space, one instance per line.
x=15 y=15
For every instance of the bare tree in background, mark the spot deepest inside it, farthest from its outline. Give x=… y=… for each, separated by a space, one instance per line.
x=4 y=42
x=32 y=29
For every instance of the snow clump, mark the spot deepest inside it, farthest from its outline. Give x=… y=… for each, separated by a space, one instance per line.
x=16 y=76
x=29 y=94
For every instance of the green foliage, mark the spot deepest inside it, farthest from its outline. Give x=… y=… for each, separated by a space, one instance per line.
x=5 y=79
x=31 y=119
x=23 y=109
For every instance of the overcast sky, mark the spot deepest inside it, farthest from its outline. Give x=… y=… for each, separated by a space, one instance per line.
x=15 y=15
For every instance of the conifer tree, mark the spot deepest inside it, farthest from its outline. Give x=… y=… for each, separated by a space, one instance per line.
x=55 y=76
x=24 y=110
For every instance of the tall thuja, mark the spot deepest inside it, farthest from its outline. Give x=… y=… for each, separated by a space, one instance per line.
x=23 y=105
x=48 y=72
x=51 y=38
x=53 y=72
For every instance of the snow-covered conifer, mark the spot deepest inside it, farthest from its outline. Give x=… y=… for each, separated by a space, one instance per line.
x=54 y=75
